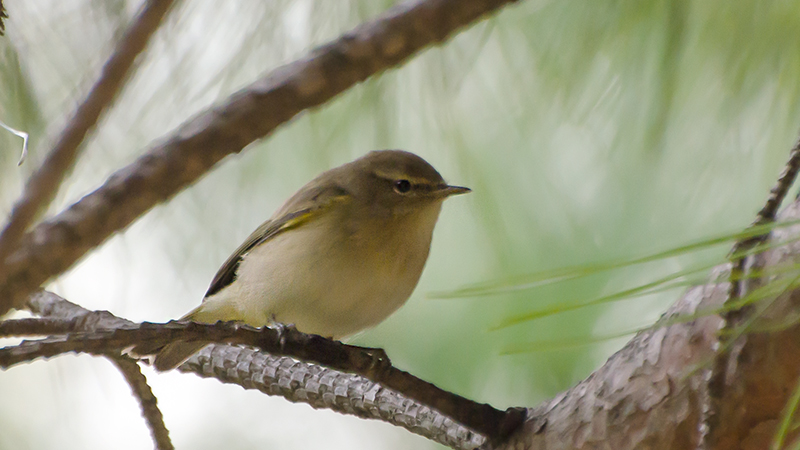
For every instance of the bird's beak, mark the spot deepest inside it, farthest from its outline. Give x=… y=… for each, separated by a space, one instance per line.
x=447 y=190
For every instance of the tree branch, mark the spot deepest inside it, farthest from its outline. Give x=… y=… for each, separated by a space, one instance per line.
x=65 y=317
x=252 y=113
x=35 y=327
x=43 y=184
x=722 y=383
x=323 y=388
x=3 y=16
x=141 y=390
x=101 y=333
x=651 y=393
x=372 y=364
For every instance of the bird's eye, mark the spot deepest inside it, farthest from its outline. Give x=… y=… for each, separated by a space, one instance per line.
x=402 y=186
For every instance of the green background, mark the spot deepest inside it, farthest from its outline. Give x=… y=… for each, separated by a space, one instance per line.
x=590 y=131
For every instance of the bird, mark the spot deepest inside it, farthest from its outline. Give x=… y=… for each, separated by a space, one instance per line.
x=341 y=255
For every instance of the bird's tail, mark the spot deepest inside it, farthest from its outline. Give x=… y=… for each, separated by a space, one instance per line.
x=173 y=355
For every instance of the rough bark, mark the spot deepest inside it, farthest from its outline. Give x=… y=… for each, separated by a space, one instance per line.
x=652 y=394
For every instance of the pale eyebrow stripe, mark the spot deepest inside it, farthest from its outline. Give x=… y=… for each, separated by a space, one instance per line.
x=398 y=176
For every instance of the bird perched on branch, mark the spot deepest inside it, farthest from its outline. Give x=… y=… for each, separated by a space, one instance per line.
x=341 y=255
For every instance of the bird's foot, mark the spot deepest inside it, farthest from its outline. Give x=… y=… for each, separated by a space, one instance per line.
x=283 y=329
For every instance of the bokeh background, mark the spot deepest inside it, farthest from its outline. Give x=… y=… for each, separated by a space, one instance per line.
x=590 y=131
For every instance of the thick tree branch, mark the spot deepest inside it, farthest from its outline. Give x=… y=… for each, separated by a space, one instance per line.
x=43 y=184
x=252 y=113
x=651 y=393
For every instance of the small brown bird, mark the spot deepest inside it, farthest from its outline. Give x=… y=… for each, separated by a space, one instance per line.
x=341 y=255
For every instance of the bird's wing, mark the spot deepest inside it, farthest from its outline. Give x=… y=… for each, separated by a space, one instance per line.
x=302 y=207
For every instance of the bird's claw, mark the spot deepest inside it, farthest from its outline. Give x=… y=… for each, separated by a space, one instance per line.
x=283 y=329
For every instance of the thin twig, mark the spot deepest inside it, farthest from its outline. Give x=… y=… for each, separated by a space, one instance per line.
x=23 y=154
x=141 y=390
x=43 y=184
x=732 y=344
x=765 y=215
x=49 y=304
x=3 y=16
x=68 y=317
x=252 y=113
x=781 y=188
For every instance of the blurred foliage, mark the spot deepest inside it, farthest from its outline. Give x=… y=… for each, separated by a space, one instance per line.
x=590 y=131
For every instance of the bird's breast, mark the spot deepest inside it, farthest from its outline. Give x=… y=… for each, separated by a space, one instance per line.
x=334 y=283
